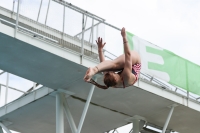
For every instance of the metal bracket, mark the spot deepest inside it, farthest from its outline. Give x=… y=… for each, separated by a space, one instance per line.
x=68 y=93
x=136 y=117
x=173 y=105
x=138 y=123
x=151 y=79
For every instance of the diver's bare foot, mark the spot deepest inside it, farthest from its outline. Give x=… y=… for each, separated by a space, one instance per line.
x=89 y=73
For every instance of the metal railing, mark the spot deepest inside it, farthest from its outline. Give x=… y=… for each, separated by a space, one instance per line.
x=13 y=88
x=39 y=34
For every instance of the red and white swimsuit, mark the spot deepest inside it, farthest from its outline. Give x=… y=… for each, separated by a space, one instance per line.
x=135 y=70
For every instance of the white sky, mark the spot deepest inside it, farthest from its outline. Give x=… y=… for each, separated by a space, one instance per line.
x=170 y=24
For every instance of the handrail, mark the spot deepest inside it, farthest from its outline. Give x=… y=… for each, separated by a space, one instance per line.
x=109 y=52
x=86 y=13
x=86 y=30
x=69 y=5
x=13 y=88
x=28 y=30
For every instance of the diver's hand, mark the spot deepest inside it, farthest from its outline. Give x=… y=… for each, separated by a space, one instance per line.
x=89 y=73
x=100 y=44
x=123 y=32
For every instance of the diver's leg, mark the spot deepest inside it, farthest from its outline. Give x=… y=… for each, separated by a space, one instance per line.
x=107 y=65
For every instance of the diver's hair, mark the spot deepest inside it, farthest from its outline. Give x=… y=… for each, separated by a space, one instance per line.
x=98 y=85
x=109 y=80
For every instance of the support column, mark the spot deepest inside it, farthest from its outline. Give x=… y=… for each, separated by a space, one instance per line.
x=61 y=106
x=69 y=117
x=138 y=123
x=59 y=113
x=168 y=118
x=7 y=82
x=86 y=107
x=5 y=128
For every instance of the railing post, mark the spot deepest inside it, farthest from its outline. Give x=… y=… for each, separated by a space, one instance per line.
x=7 y=82
x=97 y=30
x=63 y=23
x=13 y=6
x=92 y=30
x=86 y=107
x=39 y=10
x=82 y=41
x=47 y=12
x=17 y=19
x=63 y=19
x=91 y=35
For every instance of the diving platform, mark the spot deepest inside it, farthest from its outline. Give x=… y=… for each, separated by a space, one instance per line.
x=36 y=112
x=59 y=62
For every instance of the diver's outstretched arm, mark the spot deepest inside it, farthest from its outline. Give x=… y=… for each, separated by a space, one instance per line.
x=127 y=71
x=100 y=49
x=127 y=52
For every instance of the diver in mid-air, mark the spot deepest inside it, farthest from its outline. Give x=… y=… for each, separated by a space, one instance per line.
x=118 y=73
